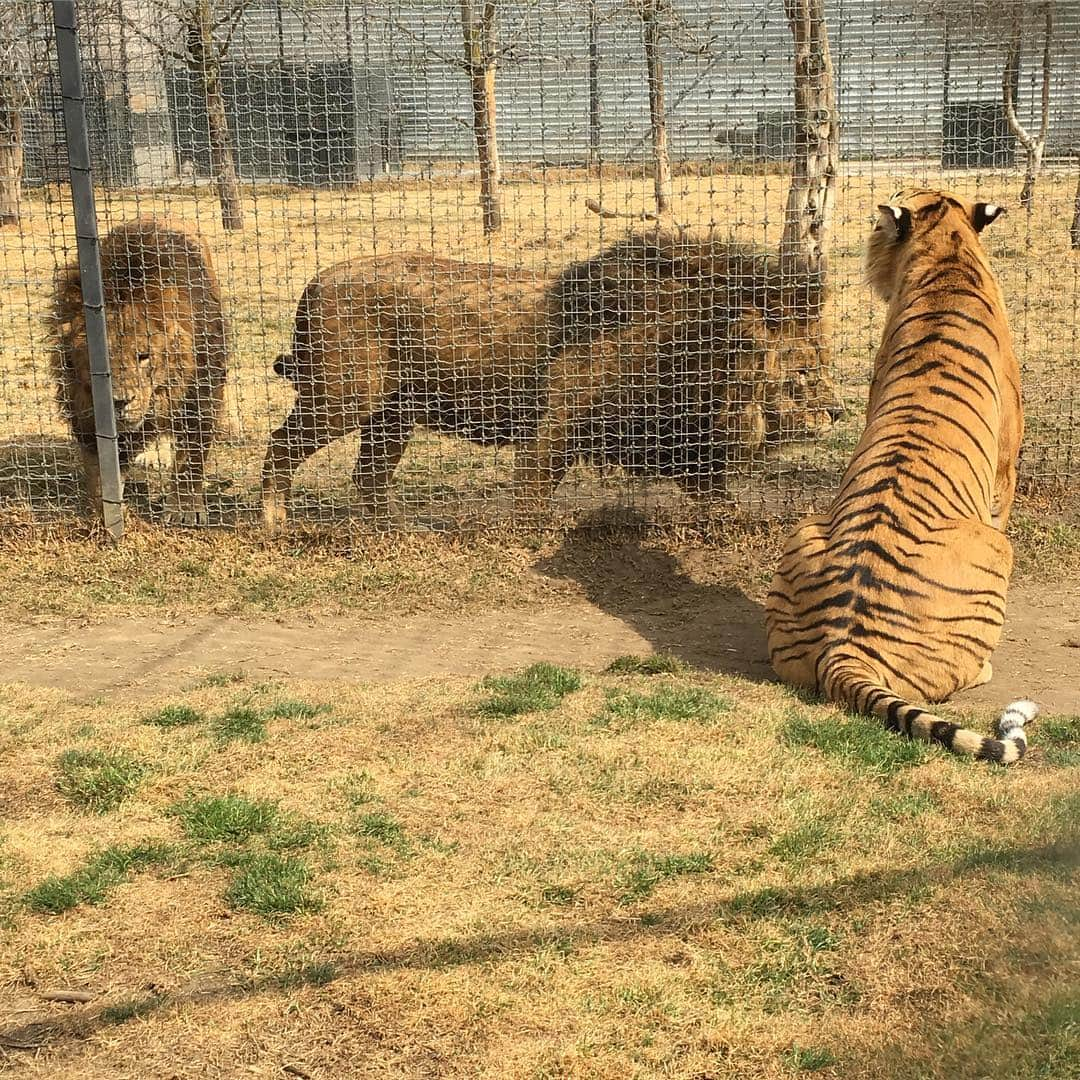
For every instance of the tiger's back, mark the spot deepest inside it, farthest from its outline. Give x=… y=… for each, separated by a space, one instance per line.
x=898 y=591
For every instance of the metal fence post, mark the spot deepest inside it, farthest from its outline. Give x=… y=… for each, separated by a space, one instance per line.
x=65 y=23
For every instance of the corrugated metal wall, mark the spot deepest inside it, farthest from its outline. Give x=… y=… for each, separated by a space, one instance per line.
x=727 y=62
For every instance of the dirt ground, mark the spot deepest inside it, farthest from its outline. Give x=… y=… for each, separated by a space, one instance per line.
x=640 y=601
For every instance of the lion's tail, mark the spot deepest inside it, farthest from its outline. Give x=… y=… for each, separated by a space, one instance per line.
x=292 y=365
x=856 y=688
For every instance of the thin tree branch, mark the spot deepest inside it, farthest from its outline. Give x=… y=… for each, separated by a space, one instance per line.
x=1012 y=66
x=1044 y=127
x=429 y=49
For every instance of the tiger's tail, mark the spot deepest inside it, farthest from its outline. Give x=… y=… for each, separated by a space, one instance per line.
x=860 y=691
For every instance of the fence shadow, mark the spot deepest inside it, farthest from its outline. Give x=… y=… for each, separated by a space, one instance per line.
x=711 y=626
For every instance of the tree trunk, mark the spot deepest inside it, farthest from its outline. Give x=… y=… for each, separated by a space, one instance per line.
x=480 y=62
x=1034 y=156
x=1034 y=145
x=222 y=158
x=808 y=216
x=1074 y=232
x=206 y=64
x=11 y=162
x=655 y=73
x=594 y=84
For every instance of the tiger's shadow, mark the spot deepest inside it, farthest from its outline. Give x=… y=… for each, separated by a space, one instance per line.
x=714 y=627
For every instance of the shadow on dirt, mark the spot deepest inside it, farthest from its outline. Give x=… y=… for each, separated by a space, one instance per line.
x=709 y=625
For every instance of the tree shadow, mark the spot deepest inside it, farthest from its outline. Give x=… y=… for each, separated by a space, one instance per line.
x=715 y=627
x=852 y=894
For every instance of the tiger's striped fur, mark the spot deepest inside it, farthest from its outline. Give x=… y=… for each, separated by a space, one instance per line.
x=897 y=593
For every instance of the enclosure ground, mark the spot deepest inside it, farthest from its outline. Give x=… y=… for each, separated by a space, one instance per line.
x=639 y=602
x=289 y=810
x=581 y=874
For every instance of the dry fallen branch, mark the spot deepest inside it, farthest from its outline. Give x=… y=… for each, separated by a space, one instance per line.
x=662 y=220
x=67 y=997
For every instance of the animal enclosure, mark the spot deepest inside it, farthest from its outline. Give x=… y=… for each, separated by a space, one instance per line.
x=452 y=166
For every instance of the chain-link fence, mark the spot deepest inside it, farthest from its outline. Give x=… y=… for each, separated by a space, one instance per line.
x=473 y=343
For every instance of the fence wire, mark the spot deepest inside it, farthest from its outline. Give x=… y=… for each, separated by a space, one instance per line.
x=312 y=313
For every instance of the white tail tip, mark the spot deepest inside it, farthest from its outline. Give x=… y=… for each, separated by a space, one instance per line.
x=1015 y=716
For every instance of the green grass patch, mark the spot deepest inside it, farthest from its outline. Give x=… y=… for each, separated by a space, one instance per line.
x=536 y=689
x=904 y=807
x=132 y=1009
x=223 y=678
x=655 y=664
x=316 y=973
x=805 y=841
x=1059 y=737
x=680 y=704
x=383 y=829
x=225 y=818
x=860 y=742
x=639 y=879
x=98 y=780
x=809 y=1058
x=239 y=724
x=558 y=894
x=234 y=819
x=272 y=886
x=91 y=883
x=294 y=710
x=174 y=716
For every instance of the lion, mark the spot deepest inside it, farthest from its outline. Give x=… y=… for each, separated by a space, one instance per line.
x=680 y=358
x=167 y=349
x=381 y=345
x=647 y=368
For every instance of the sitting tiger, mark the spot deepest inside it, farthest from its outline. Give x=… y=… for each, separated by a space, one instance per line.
x=897 y=593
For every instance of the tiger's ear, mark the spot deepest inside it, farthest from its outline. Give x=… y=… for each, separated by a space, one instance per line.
x=984 y=213
x=895 y=221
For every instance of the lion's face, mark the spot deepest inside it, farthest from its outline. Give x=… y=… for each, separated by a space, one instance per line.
x=806 y=408
x=803 y=402
x=148 y=355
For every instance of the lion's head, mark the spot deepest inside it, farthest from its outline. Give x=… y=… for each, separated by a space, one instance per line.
x=150 y=354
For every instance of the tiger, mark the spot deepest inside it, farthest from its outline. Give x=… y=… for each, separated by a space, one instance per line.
x=897 y=593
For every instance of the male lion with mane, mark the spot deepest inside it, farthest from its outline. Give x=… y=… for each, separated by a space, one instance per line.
x=679 y=357
x=167 y=350
x=659 y=356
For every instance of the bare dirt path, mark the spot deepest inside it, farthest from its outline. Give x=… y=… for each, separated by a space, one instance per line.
x=644 y=604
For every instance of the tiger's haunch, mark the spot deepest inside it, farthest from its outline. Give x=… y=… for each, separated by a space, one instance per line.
x=897 y=593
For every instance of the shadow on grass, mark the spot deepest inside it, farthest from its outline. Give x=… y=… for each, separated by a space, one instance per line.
x=1058 y=860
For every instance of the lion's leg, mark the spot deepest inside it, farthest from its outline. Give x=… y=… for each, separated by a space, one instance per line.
x=301 y=435
x=192 y=435
x=128 y=446
x=541 y=463
x=91 y=470
x=383 y=439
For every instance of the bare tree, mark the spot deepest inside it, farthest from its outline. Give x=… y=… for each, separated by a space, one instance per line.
x=479 y=26
x=651 y=11
x=1034 y=145
x=24 y=62
x=199 y=34
x=1074 y=231
x=483 y=51
x=594 y=82
x=812 y=193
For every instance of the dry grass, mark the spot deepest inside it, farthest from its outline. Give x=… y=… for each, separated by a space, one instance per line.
x=446 y=481
x=68 y=571
x=393 y=884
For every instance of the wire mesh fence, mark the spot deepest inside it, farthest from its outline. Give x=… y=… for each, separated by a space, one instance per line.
x=353 y=270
